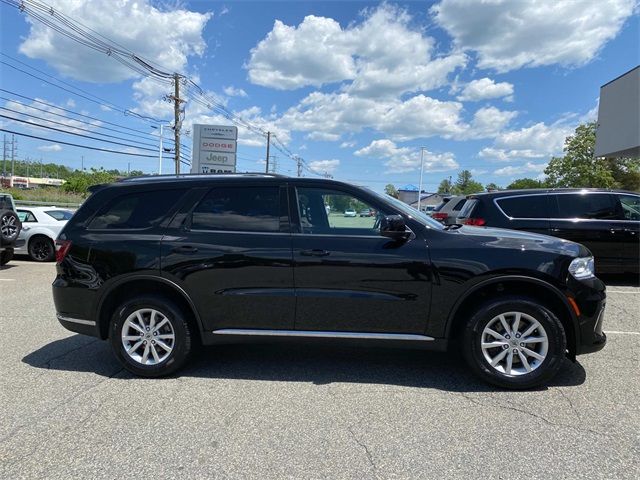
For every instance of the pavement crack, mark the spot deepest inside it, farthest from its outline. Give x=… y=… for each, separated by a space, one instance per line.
x=366 y=450
x=59 y=405
x=573 y=407
x=531 y=414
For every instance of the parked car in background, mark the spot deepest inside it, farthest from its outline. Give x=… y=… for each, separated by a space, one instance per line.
x=448 y=212
x=607 y=222
x=157 y=265
x=40 y=228
x=350 y=212
x=10 y=227
x=366 y=212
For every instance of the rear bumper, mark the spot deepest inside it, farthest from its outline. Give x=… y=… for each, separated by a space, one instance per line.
x=74 y=307
x=78 y=325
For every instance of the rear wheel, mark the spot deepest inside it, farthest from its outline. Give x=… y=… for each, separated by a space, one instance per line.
x=41 y=249
x=514 y=343
x=151 y=336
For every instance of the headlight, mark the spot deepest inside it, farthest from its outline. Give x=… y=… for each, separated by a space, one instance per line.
x=582 y=268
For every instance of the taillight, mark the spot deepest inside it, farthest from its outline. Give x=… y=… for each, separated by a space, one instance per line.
x=440 y=216
x=476 y=222
x=62 y=248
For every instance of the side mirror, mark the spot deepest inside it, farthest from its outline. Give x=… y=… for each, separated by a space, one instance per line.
x=394 y=227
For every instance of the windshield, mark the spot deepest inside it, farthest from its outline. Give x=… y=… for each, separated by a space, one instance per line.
x=426 y=220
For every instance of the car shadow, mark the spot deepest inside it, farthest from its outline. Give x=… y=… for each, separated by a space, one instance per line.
x=315 y=363
x=620 y=279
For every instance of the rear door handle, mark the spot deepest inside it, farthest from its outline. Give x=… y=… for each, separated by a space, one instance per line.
x=186 y=249
x=316 y=252
x=555 y=230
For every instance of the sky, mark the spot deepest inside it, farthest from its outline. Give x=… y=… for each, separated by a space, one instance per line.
x=360 y=90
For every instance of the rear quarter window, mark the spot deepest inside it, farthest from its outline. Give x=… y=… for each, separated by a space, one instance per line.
x=136 y=210
x=526 y=206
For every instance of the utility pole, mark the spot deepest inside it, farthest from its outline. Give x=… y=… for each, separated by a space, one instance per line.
x=274 y=163
x=41 y=168
x=82 y=163
x=268 y=145
x=160 y=152
x=421 y=172
x=14 y=150
x=176 y=118
x=299 y=162
x=5 y=144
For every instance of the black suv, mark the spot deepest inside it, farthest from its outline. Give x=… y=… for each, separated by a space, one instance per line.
x=158 y=265
x=607 y=222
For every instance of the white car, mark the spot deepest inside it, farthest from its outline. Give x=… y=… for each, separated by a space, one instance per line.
x=350 y=213
x=40 y=228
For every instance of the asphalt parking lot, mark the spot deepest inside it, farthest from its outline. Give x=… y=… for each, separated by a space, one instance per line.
x=68 y=410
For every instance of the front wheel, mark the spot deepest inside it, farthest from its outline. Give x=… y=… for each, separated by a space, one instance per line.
x=514 y=343
x=151 y=336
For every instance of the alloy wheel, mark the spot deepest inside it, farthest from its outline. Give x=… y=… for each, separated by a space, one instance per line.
x=514 y=343
x=8 y=226
x=41 y=249
x=148 y=337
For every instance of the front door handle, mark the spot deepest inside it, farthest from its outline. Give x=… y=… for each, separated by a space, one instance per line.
x=316 y=252
x=186 y=249
x=555 y=230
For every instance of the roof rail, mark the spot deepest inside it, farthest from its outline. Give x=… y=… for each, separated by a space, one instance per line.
x=199 y=175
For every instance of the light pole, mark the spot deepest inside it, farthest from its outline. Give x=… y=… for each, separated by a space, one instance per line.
x=421 y=172
x=160 y=149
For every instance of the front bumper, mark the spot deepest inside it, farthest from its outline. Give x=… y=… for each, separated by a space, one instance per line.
x=590 y=297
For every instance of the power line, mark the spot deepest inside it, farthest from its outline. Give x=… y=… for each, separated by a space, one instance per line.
x=144 y=135
x=76 y=134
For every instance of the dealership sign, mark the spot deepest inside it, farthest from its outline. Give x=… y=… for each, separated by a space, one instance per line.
x=214 y=149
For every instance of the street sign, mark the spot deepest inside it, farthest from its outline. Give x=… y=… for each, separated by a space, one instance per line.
x=214 y=148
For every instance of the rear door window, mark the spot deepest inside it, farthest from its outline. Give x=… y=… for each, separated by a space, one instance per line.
x=136 y=210
x=467 y=208
x=249 y=209
x=526 y=206
x=587 y=206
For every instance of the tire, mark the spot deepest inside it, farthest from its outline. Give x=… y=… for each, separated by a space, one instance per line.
x=9 y=227
x=6 y=256
x=534 y=371
x=41 y=249
x=125 y=322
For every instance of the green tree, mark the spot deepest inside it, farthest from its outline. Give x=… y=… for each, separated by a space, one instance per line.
x=491 y=187
x=626 y=172
x=466 y=185
x=391 y=190
x=79 y=182
x=445 y=186
x=525 y=183
x=578 y=167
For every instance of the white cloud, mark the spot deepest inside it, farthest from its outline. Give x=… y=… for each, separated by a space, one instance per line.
x=54 y=147
x=164 y=36
x=330 y=115
x=383 y=55
x=537 y=141
x=528 y=167
x=324 y=166
x=349 y=144
x=71 y=103
x=508 y=34
x=485 y=88
x=406 y=159
x=234 y=92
